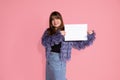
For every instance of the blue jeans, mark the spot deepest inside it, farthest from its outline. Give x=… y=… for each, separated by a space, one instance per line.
x=55 y=68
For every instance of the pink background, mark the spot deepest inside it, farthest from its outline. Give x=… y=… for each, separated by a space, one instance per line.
x=22 y=23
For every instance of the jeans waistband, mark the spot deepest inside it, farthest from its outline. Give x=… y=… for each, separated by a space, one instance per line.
x=54 y=53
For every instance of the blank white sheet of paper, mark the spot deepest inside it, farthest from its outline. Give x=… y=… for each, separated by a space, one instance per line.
x=75 y=32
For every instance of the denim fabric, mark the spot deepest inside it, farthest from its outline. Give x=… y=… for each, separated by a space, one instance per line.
x=55 y=68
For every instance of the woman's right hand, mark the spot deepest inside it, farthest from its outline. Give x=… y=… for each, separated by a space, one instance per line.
x=62 y=33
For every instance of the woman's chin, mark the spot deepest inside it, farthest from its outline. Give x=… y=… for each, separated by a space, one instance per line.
x=56 y=26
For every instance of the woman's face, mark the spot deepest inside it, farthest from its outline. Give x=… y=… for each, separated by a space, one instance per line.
x=56 y=22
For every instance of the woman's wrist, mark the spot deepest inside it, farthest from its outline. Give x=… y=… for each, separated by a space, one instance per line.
x=90 y=32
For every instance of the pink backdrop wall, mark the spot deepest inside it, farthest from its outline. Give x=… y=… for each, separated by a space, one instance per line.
x=22 y=23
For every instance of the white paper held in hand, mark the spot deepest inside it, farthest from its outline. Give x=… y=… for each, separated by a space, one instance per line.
x=75 y=32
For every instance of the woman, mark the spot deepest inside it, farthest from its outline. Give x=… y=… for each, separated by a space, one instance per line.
x=58 y=51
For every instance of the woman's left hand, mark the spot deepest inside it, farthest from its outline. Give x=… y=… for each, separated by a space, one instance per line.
x=90 y=31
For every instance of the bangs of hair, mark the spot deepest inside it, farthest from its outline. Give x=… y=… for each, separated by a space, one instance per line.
x=55 y=17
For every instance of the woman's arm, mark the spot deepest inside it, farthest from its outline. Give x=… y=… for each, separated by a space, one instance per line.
x=50 y=40
x=46 y=39
x=82 y=44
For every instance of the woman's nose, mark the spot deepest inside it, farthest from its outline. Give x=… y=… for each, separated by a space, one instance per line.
x=55 y=21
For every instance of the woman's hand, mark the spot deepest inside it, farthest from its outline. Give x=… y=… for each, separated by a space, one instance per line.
x=90 y=31
x=62 y=33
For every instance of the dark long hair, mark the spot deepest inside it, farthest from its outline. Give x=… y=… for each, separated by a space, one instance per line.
x=55 y=15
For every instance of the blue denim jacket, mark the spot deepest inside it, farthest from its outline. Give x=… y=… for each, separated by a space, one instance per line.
x=66 y=46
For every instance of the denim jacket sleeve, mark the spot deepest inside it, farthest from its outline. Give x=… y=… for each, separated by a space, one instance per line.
x=50 y=40
x=82 y=44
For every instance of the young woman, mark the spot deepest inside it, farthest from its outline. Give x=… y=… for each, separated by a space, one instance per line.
x=58 y=51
